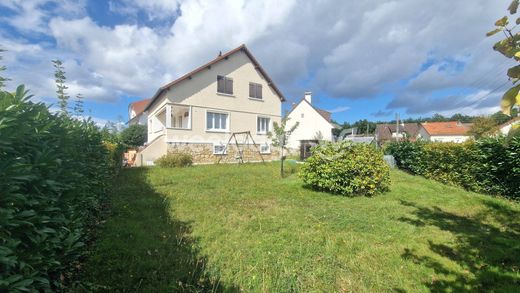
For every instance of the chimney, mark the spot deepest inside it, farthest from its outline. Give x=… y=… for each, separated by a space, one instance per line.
x=308 y=96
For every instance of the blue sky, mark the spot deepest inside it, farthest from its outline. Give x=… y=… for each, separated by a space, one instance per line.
x=367 y=60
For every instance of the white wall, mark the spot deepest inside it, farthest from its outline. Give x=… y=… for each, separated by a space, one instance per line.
x=505 y=130
x=309 y=125
x=449 y=138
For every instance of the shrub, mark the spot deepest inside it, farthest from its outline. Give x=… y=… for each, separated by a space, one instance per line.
x=407 y=154
x=175 y=160
x=347 y=169
x=54 y=174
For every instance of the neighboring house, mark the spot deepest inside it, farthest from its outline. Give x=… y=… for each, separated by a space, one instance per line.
x=391 y=132
x=314 y=124
x=452 y=131
x=136 y=112
x=198 y=112
x=506 y=127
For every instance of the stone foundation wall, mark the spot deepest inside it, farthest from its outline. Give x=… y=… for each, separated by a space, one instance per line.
x=203 y=153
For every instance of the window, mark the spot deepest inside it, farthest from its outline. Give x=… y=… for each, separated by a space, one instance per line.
x=219 y=149
x=302 y=115
x=216 y=121
x=262 y=125
x=255 y=90
x=224 y=85
x=265 y=148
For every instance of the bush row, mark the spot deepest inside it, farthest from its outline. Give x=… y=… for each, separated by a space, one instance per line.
x=489 y=165
x=54 y=172
x=347 y=169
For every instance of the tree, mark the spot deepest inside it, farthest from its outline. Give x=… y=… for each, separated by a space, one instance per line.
x=59 y=75
x=134 y=136
x=438 y=118
x=482 y=126
x=501 y=118
x=280 y=137
x=78 y=105
x=510 y=48
x=2 y=68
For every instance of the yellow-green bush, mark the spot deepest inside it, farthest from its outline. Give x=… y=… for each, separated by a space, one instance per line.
x=175 y=160
x=347 y=169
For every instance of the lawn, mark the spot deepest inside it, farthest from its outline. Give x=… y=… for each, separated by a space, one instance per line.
x=241 y=227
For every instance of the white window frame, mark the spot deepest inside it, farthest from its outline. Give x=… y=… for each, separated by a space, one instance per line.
x=268 y=151
x=268 y=124
x=228 y=121
x=224 y=150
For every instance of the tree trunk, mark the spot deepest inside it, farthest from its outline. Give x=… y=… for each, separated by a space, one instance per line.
x=281 y=166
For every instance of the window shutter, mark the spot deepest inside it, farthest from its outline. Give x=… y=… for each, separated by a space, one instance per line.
x=221 y=85
x=229 y=86
x=259 y=91
x=252 y=90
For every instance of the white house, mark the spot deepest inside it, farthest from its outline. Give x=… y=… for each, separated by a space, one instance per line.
x=451 y=131
x=136 y=112
x=198 y=112
x=506 y=127
x=314 y=124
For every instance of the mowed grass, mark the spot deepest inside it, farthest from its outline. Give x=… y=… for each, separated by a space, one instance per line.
x=242 y=228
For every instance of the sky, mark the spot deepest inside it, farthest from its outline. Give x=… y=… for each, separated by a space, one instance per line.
x=364 y=59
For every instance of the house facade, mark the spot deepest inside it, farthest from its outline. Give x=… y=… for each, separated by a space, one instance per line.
x=136 y=113
x=451 y=131
x=313 y=124
x=199 y=112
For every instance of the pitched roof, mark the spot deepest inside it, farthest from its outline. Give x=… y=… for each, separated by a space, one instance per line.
x=139 y=106
x=323 y=113
x=219 y=58
x=446 y=128
x=384 y=131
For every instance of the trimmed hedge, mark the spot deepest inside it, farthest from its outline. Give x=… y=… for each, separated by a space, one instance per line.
x=54 y=173
x=347 y=169
x=489 y=165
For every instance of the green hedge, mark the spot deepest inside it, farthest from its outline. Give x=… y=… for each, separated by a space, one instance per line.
x=54 y=173
x=489 y=165
x=347 y=169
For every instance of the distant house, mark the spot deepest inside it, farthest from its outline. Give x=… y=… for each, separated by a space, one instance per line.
x=136 y=112
x=391 y=132
x=314 y=124
x=451 y=131
x=506 y=127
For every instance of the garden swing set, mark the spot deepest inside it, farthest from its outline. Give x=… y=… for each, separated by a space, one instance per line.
x=240 y=150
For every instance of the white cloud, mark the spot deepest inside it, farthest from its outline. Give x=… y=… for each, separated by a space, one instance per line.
x=339 y=109
x=345 y=49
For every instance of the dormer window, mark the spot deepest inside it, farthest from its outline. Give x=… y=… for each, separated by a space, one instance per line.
x=255 y=90
x=224 y=85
